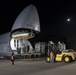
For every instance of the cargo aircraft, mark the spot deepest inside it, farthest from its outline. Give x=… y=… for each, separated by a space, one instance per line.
x=26 y=26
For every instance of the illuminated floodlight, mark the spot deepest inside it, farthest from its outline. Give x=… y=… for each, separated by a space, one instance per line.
x=23 y=35
x=18 y=35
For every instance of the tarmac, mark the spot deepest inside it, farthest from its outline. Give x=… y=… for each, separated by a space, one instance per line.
x=29 y=59
x=26 y=59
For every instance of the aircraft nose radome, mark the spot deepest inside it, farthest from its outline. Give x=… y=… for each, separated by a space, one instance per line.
x=27 y=19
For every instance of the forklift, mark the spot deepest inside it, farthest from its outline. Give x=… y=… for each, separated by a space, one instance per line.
x=61 y=54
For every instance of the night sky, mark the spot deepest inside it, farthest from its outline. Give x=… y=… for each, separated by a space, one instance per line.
x=53 y=16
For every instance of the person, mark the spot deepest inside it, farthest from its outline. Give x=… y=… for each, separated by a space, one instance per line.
x=52 y=57
x=12 y=58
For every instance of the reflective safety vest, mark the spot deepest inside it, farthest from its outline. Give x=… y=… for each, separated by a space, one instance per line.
x=12 y=57
x=52 y=54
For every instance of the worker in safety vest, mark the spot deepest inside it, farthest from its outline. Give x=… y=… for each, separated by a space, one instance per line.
x=52 y=57
x=12 y=58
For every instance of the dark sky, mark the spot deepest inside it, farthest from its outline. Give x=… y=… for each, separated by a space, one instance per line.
x=53 y=16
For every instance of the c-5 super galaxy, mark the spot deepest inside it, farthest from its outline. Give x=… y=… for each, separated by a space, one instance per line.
x=26 y=26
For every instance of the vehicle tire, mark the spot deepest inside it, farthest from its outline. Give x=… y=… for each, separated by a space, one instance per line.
x=47 y=59
x=67 y=59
